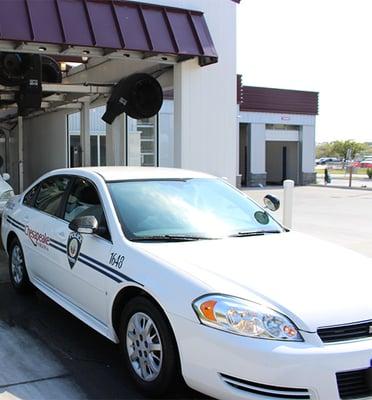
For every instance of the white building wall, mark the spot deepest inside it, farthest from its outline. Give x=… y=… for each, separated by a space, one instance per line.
x=45 y=144
x=275 y=135
x=206 y=127
x=276 y=118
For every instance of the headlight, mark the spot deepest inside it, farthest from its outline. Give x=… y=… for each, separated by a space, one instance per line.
x=245 y=318
x=5 y=196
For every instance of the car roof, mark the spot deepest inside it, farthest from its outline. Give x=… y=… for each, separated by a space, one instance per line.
x=110 y=174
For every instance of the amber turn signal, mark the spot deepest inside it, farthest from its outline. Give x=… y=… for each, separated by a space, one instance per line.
x=207 y=309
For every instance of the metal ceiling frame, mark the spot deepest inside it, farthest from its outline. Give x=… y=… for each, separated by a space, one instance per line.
x=87 y=52
x=57 y=97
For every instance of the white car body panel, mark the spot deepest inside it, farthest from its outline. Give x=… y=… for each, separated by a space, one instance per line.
x=4 y=187
x=315 y=284
x=303 y=275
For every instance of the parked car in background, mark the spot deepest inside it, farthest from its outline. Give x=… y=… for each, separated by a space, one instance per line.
x=6 y=191
x=326 y=160
x=366 y=162
x=192 y=278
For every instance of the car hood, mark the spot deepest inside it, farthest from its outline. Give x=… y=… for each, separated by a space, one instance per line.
x=314 y=282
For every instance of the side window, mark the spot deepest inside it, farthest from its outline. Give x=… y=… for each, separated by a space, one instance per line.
x=51 y=193
x=30 y=196
x=83 y=201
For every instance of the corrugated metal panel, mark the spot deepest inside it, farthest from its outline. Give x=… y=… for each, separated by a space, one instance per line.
x=278 y=100
x=109 y=24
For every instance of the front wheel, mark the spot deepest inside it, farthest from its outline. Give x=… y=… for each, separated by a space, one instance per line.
x=17 y=268
x=149 y=348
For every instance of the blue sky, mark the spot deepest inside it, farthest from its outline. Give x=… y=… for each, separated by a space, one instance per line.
x=318 y=45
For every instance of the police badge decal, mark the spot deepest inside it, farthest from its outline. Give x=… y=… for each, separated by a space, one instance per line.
x=73 y=248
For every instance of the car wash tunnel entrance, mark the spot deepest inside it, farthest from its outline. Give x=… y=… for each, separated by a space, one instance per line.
x=86 y=82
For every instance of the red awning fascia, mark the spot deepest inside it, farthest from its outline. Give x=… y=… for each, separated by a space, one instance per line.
x=109 y=24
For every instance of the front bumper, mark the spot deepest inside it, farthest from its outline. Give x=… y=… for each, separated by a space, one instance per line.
x=207 y=353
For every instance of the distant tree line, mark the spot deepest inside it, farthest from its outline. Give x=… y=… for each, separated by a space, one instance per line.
x=339 y=149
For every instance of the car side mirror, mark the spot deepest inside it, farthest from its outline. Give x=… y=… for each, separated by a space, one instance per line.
x=86 y=225
x=271 y=202
x=6 y=176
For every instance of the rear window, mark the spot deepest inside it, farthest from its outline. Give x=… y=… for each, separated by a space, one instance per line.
x=30 y=196
x=50 y=195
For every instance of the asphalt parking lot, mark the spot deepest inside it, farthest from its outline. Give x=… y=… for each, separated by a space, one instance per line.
x=45 y=353
x=342 y=216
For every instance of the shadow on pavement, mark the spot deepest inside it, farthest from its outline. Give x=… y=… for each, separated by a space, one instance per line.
x=91 y=361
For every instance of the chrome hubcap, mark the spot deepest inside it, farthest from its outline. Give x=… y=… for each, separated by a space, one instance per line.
x=17 y=264
x=144 y=347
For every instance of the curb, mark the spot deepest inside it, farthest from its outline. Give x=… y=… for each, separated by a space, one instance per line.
x=365 y=189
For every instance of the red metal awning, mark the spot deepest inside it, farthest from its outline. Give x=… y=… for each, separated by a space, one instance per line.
x=108 y=24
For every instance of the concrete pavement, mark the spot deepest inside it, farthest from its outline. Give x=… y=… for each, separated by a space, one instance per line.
x=342 y=216
x=46 y=353
x=28 y=369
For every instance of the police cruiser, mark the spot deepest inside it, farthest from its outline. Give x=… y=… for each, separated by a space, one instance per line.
x=193 y=279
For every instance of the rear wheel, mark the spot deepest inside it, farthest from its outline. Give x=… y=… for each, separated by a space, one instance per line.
x=149 y=348
x=17 y=268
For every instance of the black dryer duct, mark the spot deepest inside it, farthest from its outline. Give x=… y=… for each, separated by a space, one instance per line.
x=28 y=71
x=139 y=96
x=50 y=70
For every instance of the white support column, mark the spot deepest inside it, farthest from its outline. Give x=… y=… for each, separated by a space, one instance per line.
x=85 y=134
x=20 y=154
x=308 y=154
x=115 y=142
x=178 y=113
x=308 y=148
x=257 y=150
x=205 y=121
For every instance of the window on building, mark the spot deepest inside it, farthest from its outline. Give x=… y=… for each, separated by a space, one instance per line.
x=97 y=138
x=142 y=142
x=282 y=127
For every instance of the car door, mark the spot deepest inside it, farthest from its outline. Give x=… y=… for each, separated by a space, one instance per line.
x=43 y=219
x=84 y=258
x=27 y=222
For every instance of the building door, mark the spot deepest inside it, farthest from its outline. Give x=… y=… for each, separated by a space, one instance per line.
x=243 y=153
x=284 y=163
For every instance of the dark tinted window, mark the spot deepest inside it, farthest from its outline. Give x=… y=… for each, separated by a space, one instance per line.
x=83 y=201
x=51 y=194
x=30 y=196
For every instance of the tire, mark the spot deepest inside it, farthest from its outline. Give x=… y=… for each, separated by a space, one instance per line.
x=149 y=348
x=17 y=268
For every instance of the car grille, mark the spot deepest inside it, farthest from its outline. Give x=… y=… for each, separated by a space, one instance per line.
x=346 y=332
x=355 y=384
x=274 y=392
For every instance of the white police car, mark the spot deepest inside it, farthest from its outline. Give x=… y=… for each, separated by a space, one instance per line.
x=193 y=279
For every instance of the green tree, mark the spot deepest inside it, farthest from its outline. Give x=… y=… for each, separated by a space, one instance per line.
x=339 y=148
x=324 y=150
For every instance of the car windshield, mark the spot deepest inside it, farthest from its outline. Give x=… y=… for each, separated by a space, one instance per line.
x=191 y=209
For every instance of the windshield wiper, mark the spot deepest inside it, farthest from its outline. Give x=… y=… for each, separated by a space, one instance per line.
x=170 y=238
x=254 y=233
